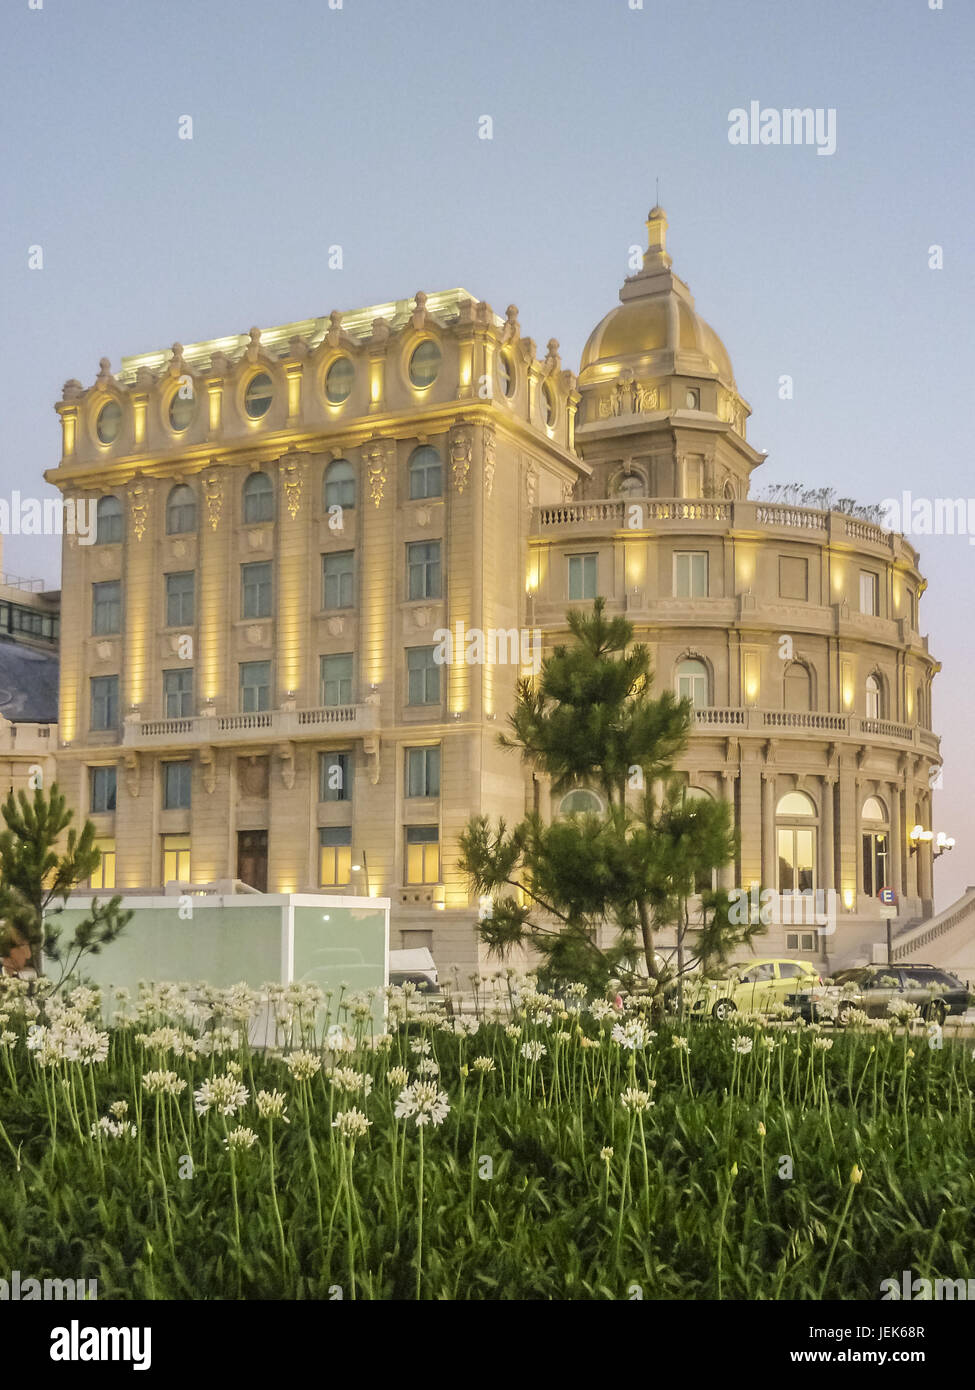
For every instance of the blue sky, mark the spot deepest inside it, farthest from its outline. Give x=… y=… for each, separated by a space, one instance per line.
x=358 y=126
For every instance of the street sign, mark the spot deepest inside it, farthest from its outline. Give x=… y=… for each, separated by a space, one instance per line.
x=887 y=911
x=888 y=897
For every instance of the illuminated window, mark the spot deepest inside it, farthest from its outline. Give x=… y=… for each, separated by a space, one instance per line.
x=425 y=363
x=109 y=522
x=104 y=702
x=426 y=473
x=255 y=590
x=796 y=843
x=182 y=409
x=258 y=499
x=178 y=693
x=691 y=574
x=104 y=875
x=340 y=484
x=255 y=686
x=180 y=599
x=109 y=422
x=869 y=593
x=423 y=771
x=582 y=576
x=102 y=783
x=335 y=855
x=875 y=843
x=692 y=683
x=874 y=698
x=106 y=608
x=797 y=687
x=181 y=511
x=423 y=569
x=177 y=786
x=176 y=858
x=258 y=396
x=694 y=476
x=338 y=381
x=422 y=854
x=337 y=679
x=335 y=776
x=338 y=579
x=423 y=676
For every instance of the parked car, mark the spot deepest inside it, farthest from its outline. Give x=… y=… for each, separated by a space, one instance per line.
x=416 y=967
x=870 y=988
x=755 y=986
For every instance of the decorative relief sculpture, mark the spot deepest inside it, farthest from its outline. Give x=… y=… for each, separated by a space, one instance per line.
x=213 y=492
x=254 y=635
x=511 y=331
x=139 y=497
x=132 y=773
x=208 y=765
x=291 y=476
x=531 y=484
x=460 y=458
x=488 y=446
x=336 y=626
x=374 y=457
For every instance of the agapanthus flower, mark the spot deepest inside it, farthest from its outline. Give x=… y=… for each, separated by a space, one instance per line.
x=635 y=1099
x=533 y=1051
x=241 y=1138
x=423 y=1102
x=270 y=1105
x=483 y=1064
x=631 y=1035
x=397 y=1076
x=743 y=1045
x=347 y=1080
x=225 y=1094
x=303 y=1065
x=420 y=1047
x=426 y=1066
x=351 y=1124
x=163 y=1083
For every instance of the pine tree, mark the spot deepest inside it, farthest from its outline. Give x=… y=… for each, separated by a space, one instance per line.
x=592 y=720
x=34 y=874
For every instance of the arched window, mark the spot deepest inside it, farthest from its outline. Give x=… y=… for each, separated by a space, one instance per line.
x=919 y=707
x=180 y=510
x=258 y=499
x=729 y=491
x=339 y=484
x=798 y=687
x=631 y=485
x=426 y=473
x=874 y=698
x=108 y=521
x=692 y=683
x=580 y=801
x=795 y=833
x=876 y=846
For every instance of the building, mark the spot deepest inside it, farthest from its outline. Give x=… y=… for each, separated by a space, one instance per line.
x=28 y=682
x=288 y=520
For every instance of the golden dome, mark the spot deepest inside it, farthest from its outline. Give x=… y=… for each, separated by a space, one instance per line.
x=656 y=329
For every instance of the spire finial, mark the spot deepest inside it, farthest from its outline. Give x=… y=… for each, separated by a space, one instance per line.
x=656 y=257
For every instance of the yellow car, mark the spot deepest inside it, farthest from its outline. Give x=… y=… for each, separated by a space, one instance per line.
x=755 y=986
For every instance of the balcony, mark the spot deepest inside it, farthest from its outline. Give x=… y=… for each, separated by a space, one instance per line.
x=800 y=723
x=267 y=726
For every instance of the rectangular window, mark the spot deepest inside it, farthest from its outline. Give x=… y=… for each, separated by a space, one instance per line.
x=106 y=608
x=691 y=574
x=335 y=855
x=335 y=776
x=694 y=476
x=178 y=693
x=582 y=576
x=869 y=593
x=176 y=858
x=336 y=679
x=255 y=686
x=422 y=854
x=101 y=789
x=177 y=779
x=424 y=676
x=104 y=702
x=800 y=941
x=793 y=577
x=423 y=569
x=104 y=875
x=255 y=590
x=423 y=771
x=338 y=576
x=180 y=599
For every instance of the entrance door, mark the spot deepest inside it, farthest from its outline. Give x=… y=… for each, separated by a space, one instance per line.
x=252 y=858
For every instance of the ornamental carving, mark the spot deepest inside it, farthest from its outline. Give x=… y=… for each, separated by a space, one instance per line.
x=213 y=492
x=139 y=499
x=208 y=766
x=531 y=484
x=335 y=626
x=374 y=457
x=460 y=458
x=291 y=477
x=252 y=776
x=254 y=635
x=489 y=461
x=132 y=774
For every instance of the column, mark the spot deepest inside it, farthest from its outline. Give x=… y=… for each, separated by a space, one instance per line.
x=726 y=875
x=896 y=840
x=770 y=878
x=828 y=855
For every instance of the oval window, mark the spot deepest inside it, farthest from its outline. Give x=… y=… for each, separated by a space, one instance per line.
x=181 y=412
x=257 y=398
x=506 y=374
x=109 y=422
x=425 y=363
x=338 y=381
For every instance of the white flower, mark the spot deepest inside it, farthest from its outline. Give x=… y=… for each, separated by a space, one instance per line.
x=270 y=1105
x=600 y=1009
x=426 y=1066
x=303 y=1065
x=346 y=1080
x=607 y=1153
x=420 y=1047
x=680 y=1043
x=634 y=1099
x=397 y=1076
x=534 y=1051
x=512 y=1030
x=351 y=1124
x=241 y=1138
x=115 y=1129
x=483 y=1064
x=162 y=1083
x=423 y=1101
x=630 y=1035
x=824 y=1044
x=225 y=1094
x=743 y=1045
